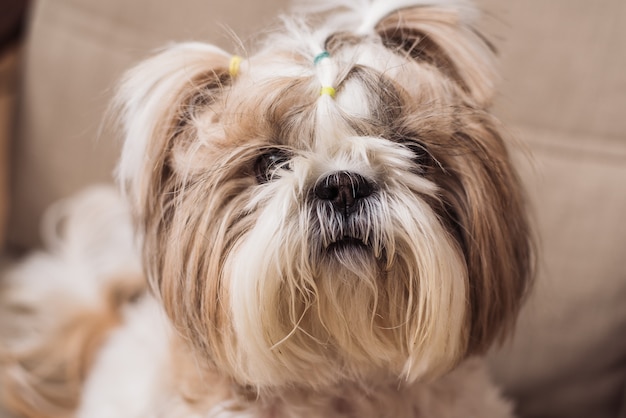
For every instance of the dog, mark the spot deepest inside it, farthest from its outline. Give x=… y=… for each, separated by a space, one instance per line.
x=329 y=227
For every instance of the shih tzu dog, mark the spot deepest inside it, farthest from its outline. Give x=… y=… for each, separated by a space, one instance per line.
x=330 y=227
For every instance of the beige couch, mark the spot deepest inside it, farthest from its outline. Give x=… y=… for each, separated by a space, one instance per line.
x=563 y=94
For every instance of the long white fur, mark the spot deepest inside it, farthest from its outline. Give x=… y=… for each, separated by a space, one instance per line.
x=132 y=370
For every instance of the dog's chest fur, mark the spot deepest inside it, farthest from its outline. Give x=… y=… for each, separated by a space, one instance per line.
x=138 y=373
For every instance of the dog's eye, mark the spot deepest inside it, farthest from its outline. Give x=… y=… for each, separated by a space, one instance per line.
x=422 y=158
x=269 y=163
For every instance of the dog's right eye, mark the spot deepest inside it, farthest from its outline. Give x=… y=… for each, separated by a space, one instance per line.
x=269 y=163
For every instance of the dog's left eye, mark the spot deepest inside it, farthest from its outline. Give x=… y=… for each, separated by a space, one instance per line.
x=422 y=158
x=269 y=163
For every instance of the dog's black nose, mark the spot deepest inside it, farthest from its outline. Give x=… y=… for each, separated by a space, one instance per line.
x=343 y=189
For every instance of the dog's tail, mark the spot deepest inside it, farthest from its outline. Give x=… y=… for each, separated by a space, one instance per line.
x=58 y=305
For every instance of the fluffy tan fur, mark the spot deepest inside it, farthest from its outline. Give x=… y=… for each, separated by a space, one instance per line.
x=45 y=380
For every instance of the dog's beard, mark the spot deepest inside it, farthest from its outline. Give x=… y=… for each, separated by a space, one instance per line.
x=321 y=294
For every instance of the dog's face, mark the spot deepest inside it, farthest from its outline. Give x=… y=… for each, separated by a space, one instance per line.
x=301 y=234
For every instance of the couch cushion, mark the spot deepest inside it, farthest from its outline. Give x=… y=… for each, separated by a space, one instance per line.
x=568 y=355
x=563 y=64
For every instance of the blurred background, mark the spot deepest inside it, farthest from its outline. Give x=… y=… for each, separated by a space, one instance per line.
x=563 y=95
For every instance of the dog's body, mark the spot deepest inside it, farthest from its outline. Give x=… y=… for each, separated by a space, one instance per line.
x=328 y=227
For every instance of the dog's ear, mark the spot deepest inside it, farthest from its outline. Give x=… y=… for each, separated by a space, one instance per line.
x=439 y=33
x=158 y=101
x=485 y=200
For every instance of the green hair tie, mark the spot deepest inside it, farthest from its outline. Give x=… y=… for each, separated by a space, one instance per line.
x=320 y=57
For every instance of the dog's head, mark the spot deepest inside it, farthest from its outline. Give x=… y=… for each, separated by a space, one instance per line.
x=339 y=205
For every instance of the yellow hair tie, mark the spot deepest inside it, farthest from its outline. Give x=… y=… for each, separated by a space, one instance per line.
x=233 y=67
x=328 y=90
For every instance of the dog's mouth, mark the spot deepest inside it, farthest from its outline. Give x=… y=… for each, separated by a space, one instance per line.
x=347 y=243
